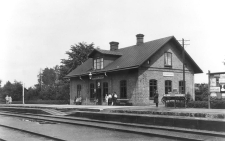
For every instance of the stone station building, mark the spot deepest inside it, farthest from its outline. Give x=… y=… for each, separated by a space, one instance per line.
x=133 y=72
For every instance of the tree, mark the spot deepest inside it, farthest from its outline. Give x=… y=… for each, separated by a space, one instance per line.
x=51 y=83
x=13 y=89
x=77 y=55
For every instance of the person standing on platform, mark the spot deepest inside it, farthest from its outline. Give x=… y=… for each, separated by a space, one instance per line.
x=6 y=99
x=10 y=100
x=109 y=99
x=156 y=98
x=106 y=99
x=114 y=98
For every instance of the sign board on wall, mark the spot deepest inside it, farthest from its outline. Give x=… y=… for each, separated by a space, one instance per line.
x=213 y=94
x=217 y=75
x=169 y=74
x=214 y=89
x=213 y=82
x=222 y=76
x=222 y=80
x=97 y=77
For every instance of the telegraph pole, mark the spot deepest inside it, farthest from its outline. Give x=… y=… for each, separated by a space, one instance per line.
x=183 y=59
x=209 y=90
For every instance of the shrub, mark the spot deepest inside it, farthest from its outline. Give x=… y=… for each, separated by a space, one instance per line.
x=197 y=104
x=188 y=97
x=215 y=104
x=218 y=104
x=178 y=104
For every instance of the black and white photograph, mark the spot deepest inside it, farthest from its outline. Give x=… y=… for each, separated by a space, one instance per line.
x=112 y=70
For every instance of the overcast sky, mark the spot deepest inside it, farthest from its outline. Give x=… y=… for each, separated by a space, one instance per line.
x=35 y=34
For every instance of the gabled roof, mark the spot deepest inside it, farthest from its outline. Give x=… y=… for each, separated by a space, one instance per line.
x=108 y=52
x=132 y=57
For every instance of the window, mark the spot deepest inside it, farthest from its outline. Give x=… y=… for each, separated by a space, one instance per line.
x=152 y=87
x=168 y=86
x=123 y=89
x=92 y=88
x=78 y=90
x=181 y=87
x=168 y=59
x=98 y=63
x=105 y=89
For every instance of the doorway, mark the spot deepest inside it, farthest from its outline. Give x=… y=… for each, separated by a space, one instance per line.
x=98 y=92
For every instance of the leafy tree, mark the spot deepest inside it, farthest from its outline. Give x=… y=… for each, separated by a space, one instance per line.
x=13 y=89
x=77 y=55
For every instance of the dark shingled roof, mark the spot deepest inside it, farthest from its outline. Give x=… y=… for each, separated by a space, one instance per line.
x=132 y=57
x=108 y=52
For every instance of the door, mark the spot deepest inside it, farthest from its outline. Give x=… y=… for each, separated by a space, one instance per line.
x=98 y=92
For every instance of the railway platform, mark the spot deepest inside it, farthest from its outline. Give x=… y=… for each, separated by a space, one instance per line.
x=200 y=119
x=143 y=110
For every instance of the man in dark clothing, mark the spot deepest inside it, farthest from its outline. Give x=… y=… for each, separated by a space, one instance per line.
x=114 y=98
x=156 y=98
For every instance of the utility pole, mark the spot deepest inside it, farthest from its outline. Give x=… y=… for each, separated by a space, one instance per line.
x=209 y=89
x=183 y=59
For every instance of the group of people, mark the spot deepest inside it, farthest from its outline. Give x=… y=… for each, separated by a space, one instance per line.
x=8 y=99
x=111 y=98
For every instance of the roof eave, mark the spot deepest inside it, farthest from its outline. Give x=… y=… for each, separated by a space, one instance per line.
x=113 y=70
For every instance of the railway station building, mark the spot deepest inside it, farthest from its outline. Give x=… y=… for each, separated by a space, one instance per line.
x=133 y=72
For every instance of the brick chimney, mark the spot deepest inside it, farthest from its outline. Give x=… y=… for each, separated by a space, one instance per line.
x=140 y=39
x=114 y=45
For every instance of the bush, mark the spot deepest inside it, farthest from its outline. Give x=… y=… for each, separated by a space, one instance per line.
x=218 y=104
x=178 y=104
x=215 y=104
x=197 y=104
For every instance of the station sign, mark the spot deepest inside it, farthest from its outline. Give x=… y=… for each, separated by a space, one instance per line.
x=169 y=74
x=97 y=77
x=214 y=89
x=222 y=80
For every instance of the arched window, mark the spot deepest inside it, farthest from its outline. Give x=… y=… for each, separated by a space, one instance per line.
x=105 y=89
x=181 y=87
x=78 y=90
x=152 y=87
x=123 y=89
x=92 y=87
x=168 y=86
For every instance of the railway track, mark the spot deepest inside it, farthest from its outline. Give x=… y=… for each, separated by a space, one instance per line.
x=160 y=131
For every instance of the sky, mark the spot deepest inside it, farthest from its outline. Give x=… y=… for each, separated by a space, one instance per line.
x=36 y=34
